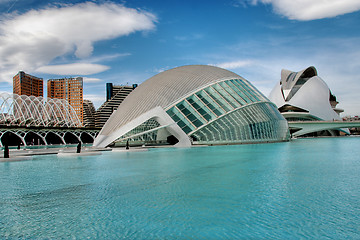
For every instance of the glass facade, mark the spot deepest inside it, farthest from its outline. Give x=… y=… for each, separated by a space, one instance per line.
x=230 y=111
x=254 y=123
x=142 y=133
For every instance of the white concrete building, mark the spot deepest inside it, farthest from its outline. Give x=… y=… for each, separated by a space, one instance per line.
x=304 y=96
x=196 y=104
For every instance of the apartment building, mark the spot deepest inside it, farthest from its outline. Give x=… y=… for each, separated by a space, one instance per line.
x=114 y=96
x=70 y=89
x=89 y=114
x=26 y=84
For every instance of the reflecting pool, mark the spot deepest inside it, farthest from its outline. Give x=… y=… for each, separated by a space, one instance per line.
x=306 y=188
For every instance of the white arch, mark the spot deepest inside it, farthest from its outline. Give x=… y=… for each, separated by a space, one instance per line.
x=19 y=133
x=57 y=134
x=27 y=111
x=37 y=134
x=160 y=115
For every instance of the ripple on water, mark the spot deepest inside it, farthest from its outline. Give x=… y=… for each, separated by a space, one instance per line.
x=228 y=192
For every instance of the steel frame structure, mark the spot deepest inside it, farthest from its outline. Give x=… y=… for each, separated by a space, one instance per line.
x=31 y=111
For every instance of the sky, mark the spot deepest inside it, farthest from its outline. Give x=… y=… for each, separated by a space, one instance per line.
x=127 y=42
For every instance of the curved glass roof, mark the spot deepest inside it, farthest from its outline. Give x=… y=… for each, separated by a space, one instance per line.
x=163 y=89
x=209 y=105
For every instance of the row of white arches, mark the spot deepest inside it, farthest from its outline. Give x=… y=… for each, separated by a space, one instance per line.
x=28 y=137
x=27 y=111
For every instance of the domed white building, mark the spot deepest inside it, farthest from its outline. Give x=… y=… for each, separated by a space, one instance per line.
x=195 y=104
x=304 y=96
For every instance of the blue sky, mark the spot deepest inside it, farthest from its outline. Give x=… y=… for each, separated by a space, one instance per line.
x=127 y=42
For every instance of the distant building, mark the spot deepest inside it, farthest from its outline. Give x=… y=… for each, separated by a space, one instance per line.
x=70 y=89
x=25 y=84
x=353 y=130
x=114 y=97
x=88 y=114
x=304 y=96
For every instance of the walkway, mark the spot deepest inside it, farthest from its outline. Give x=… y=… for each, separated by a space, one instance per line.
x=305 y=127
x=14 y=136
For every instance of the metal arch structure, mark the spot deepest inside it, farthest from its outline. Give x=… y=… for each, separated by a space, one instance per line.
x=46 y=120
x=20 y=133
x=43 y=133
x=91 y=133
x=30 y=111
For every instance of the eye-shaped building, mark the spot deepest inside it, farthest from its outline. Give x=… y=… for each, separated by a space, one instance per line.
x=304 y=96
x=195 y=104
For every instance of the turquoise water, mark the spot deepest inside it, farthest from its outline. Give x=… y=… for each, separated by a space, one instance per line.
x=308 y=188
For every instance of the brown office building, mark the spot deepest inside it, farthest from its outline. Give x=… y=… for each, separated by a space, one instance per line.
x=25 y=84
x=70 y=89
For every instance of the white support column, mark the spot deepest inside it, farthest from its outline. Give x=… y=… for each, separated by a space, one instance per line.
x=159 y=114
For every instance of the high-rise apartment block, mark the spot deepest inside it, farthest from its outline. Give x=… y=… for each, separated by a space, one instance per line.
x=89 y=114
x=114 y=97
x=25 y=84
x=70 y=89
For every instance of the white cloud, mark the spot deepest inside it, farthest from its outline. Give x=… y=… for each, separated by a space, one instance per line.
x=96 y=99
x=33 y=39
x=92 y=80
x=305 y=10
x=234 y=64
x=162 y=69
x=73 y=69
x=334 y=58
x=109 y=57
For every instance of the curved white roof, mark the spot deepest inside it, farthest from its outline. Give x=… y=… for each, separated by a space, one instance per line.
x=289 y=79
x=164 y=89
x=312 y=94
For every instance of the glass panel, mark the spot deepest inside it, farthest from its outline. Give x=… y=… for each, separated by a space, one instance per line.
x=226 y=95
x=201 y=108
x=229 y=88
x=261 y=96
x=190 y=113
x=240 y=91
x=249 y=90
x=146 y=126
x=183 y=123
x=210 y=103
x=214 y=95
x=239 y=84
x=255 y=123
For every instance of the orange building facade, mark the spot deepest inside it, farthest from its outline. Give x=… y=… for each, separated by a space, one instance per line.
x=25 y=84
x=70 y=89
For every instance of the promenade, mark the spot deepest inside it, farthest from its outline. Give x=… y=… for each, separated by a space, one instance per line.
x=305 y=127
x=26 y=154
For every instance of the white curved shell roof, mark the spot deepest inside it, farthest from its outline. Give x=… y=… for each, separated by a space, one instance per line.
x=312 y=96
x=289 y=79
x=164 y=89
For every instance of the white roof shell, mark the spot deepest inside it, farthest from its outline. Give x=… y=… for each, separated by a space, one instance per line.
x=312 y=96
x=162 y=90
